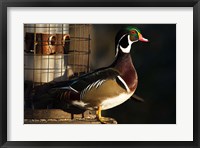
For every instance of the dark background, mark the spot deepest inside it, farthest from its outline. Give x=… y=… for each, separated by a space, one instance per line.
x=155 y=63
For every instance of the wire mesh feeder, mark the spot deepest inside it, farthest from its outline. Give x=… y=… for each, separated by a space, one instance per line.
x=54 y=52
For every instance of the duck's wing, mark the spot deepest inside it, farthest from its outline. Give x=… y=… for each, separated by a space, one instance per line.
x=94 y=79
x=78 y=83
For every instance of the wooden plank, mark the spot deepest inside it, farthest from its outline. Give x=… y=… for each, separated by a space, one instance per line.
x=50 y=114
x=57 y=116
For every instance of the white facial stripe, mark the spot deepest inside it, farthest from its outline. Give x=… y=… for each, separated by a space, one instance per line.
x=117 y=50
x=126 y=86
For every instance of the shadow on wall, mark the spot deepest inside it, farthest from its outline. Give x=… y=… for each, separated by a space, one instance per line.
x=155 y=63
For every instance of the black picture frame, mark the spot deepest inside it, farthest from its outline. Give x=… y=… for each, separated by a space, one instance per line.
x=4 y=4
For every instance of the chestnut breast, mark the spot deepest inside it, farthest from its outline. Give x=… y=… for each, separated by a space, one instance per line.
x=128 y=73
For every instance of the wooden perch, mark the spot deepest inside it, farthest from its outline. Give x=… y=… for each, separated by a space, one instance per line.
x=57 y=116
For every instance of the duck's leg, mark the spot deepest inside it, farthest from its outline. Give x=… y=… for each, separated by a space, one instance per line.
x=98 y=115
x=72 y=116
x=83 y=115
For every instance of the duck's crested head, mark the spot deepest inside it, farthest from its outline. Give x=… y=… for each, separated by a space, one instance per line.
x=135 y=34
x=126 y=37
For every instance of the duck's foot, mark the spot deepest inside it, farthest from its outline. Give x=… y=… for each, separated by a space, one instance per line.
x=103 y=120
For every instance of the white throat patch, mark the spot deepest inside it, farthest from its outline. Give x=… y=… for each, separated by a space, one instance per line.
x=128 y=48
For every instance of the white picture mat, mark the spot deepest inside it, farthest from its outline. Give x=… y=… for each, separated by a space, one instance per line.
x=181 y=131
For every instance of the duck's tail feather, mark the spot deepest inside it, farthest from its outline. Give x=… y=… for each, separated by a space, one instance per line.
x=47 y=87
x=136 y=97
x=47 y=93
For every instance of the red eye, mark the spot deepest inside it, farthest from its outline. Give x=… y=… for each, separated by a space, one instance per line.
x=133 y=31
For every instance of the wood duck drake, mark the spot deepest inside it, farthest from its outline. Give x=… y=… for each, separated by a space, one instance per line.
x=106 y=87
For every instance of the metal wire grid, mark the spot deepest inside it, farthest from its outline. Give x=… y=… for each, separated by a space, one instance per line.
x=40 y=68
